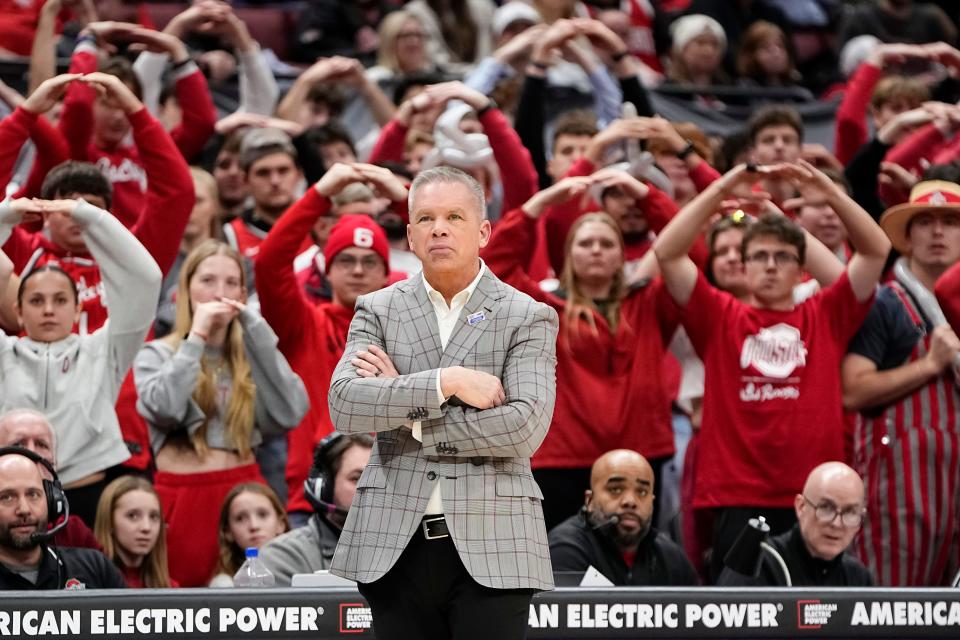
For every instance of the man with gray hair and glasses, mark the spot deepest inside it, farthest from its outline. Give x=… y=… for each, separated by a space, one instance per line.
x=830 y=512
x=456 y=373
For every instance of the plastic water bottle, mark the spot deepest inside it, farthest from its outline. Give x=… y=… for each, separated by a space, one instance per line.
x=253 y=573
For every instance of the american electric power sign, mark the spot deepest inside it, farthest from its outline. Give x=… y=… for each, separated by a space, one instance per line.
x=564 y=613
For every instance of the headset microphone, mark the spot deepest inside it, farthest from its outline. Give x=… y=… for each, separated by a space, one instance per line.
x=58 y=508
x=40 y=537
x=610 y=521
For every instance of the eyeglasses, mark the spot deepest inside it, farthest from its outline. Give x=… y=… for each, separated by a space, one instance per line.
x=411 y=35
x=349 y=263
x=780 y=258
x=826 y=512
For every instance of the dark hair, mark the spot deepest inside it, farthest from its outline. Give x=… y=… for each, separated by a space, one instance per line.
x=330 y=133
x=330 y=459
x=47 y=268
x=330 y=95
x=750 y=42
x=578 y=122
x=724 y=224
x=417 y=79
x=949 y=172
x=779 y=227
x=732 y=145
x=396 y=169
x=838 y=178
x=771 y=116
x=232 y=143
x=121 y=67
x=73 y=176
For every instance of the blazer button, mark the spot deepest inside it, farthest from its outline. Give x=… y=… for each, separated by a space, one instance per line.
x=431 y=475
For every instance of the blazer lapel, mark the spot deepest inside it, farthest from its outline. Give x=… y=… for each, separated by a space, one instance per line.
x=419 y=322
x=485 y=300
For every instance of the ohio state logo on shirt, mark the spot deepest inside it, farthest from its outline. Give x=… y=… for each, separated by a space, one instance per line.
x=362 y=238
x=775 y=351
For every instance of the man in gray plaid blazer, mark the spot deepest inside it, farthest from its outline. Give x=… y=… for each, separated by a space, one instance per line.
x=455 y=372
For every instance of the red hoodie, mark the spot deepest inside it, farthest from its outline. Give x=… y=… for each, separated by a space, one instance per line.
x=311 y=337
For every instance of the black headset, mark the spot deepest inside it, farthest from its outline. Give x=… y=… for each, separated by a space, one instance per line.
x=57 y=505
x=318 y=487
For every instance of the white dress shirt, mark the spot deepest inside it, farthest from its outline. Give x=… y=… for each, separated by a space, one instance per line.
x=446 y=321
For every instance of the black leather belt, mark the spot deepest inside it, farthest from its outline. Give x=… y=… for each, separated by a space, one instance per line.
x=434 y=527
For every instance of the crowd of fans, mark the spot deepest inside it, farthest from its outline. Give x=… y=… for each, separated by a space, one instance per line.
x=750 y=325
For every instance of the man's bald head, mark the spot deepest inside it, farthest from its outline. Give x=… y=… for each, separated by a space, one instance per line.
x=621 y=496
x=620 y=461
x=836 y=475
x=29 y=429
x=832 y=489
x=16 y=463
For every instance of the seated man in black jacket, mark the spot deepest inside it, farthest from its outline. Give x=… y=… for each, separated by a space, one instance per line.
x=612 y=532
x=829 y=513
x=26 y=560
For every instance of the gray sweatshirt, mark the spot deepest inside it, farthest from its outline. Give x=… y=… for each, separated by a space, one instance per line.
x=75 y=381
x=166 y=380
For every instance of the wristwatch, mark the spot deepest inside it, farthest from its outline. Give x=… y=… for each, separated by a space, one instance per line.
x=687 y=150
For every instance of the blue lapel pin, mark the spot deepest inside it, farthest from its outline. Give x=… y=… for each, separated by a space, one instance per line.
x=475 y=318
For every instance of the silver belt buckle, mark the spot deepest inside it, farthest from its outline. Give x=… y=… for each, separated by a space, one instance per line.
x=426 y=529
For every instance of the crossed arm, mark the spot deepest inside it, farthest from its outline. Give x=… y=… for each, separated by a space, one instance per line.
x=363 y=402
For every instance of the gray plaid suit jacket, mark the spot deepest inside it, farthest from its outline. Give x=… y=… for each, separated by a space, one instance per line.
x=481 y=458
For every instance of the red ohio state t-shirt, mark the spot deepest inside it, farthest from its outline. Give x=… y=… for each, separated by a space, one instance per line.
x=772 y=408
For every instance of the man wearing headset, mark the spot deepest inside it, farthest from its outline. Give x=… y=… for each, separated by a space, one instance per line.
x=27 y=503
x=613 y=531
x=338 y=461
x=31 y=430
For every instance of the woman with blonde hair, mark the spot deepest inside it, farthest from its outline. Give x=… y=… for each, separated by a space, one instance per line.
x=403 y=47
x=210 y=391
x=205 y=222
x=251 y=516
x=130 y=528
x=611 y=343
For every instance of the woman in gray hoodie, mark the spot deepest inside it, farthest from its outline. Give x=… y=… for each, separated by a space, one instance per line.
x=74 y=380
x=210 y=391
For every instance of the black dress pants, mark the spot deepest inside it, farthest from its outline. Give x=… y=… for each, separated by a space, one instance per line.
x=428 y=595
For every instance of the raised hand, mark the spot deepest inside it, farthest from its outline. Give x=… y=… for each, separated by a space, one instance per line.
x=111 y=86
x=213 y=315
x=521 y=45
x=613 y=177
x=144 y=39
x=239 y=120
x=456 y=90
x=50 y=91
x=384 y=182
x=557 y=193
x=558 y=33
x=337 y=178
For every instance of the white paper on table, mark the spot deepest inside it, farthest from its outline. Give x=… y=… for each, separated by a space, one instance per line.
x=593 y=578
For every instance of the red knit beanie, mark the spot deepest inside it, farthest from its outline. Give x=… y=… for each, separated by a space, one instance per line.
x=356 y=231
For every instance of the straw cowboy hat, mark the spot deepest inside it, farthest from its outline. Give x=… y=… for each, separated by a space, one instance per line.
x=930 y=195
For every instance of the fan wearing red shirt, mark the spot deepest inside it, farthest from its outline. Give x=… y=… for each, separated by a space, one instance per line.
x=312 y=336
x=772 y=404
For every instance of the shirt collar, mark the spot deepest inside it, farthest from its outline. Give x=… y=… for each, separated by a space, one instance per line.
x=462 y=297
